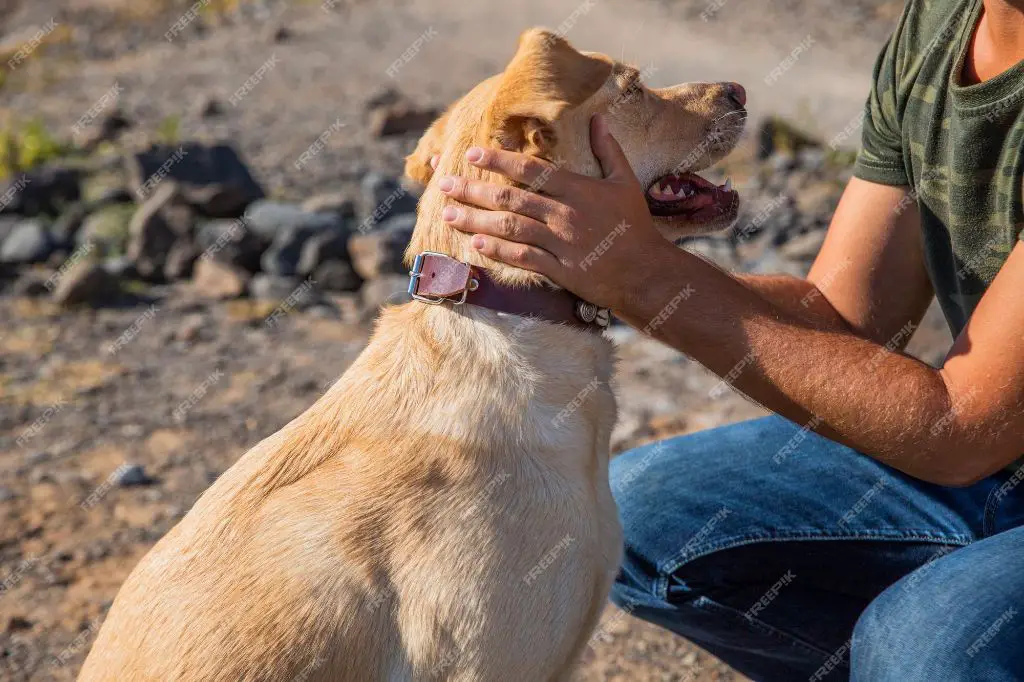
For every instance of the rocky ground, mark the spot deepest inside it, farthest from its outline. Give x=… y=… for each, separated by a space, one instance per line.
x=149 y=335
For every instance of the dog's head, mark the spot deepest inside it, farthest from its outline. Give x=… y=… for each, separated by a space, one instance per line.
x=542 y=105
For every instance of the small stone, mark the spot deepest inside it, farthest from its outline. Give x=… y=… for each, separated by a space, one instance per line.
x=213 y=279
x=190 y=328
x=30 y=285
x=181 y=259
x=86 y=282
x=29 y=242
x=209 y=107
x=18 y=623
x=298 y=293
x=133 y=475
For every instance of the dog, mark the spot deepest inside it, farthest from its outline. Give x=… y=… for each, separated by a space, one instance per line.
x=443 y=511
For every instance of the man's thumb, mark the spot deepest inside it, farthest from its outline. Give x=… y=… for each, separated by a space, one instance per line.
x=614 y=163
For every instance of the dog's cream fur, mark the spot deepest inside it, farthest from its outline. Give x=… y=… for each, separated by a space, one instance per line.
x=443 y=512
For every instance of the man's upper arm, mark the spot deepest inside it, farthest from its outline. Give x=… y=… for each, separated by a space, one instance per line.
x=871 y=268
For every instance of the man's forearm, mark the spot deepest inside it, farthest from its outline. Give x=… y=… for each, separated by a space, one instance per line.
x=855 y=391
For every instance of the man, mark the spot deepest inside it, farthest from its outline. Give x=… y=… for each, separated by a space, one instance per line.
x=776 y=544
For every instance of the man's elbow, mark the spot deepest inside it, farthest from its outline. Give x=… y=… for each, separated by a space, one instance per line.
x=963 y=467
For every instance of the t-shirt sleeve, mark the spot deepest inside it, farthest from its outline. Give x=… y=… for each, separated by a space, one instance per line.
x=881 y=157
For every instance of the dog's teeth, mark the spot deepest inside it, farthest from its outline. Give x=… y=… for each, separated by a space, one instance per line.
x=680 y=193
x=728 y=185
x=656 y=190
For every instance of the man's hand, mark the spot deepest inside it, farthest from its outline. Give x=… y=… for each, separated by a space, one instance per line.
x=585 y=234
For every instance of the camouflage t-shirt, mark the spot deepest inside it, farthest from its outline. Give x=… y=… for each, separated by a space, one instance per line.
x=959 y=148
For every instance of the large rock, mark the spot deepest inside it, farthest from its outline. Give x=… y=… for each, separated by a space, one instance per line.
x=151 y=234
x=231 y=242
x=336 y=275
x=28 y=242
x=331 y=245
x=290 y=291
x=290 y=228
x=383 y=197
x=213 y=179
x=267 y=219
x=109 y=227
x=43 y=191
x=86 y=282
x=381 y=251
x=219 y=280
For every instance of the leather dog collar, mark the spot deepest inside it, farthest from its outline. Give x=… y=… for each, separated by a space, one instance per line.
x=437 y=278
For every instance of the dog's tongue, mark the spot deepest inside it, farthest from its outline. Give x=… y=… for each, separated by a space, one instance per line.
x=687 y=193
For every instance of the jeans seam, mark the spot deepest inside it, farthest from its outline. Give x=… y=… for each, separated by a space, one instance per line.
x=665 y=570
x=765 y=628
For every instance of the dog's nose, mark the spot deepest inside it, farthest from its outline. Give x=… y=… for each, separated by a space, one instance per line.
x=736 y=93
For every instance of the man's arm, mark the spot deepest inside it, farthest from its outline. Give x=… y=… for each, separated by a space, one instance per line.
x=952 y=425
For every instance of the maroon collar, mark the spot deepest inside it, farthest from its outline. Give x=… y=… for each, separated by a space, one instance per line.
x=437 y=278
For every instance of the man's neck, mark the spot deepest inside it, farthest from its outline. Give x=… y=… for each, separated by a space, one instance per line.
x=997 y=43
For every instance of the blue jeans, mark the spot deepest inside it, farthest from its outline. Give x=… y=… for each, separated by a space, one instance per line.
x=791 y=557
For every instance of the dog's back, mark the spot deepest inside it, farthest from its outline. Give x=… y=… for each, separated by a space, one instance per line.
x=418 y=522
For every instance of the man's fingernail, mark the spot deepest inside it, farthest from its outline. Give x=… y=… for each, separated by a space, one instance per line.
x=474 y=154
x=449 y=214
x=446 y=184
x=477 y=241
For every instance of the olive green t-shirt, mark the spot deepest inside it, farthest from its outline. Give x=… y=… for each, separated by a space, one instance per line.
x=959 y=148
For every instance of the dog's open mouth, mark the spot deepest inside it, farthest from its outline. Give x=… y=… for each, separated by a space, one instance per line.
x=692 y=198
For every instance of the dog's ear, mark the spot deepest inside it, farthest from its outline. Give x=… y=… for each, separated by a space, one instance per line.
x=545 y=78
x=417 y=164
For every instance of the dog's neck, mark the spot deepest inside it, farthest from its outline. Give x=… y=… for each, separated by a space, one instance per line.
x=433 y=234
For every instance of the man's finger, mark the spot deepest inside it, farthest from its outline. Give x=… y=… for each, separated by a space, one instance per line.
x=498 y=197
x=614 y=163
x=537 y=174
x=508 y=226
x=518 y=255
